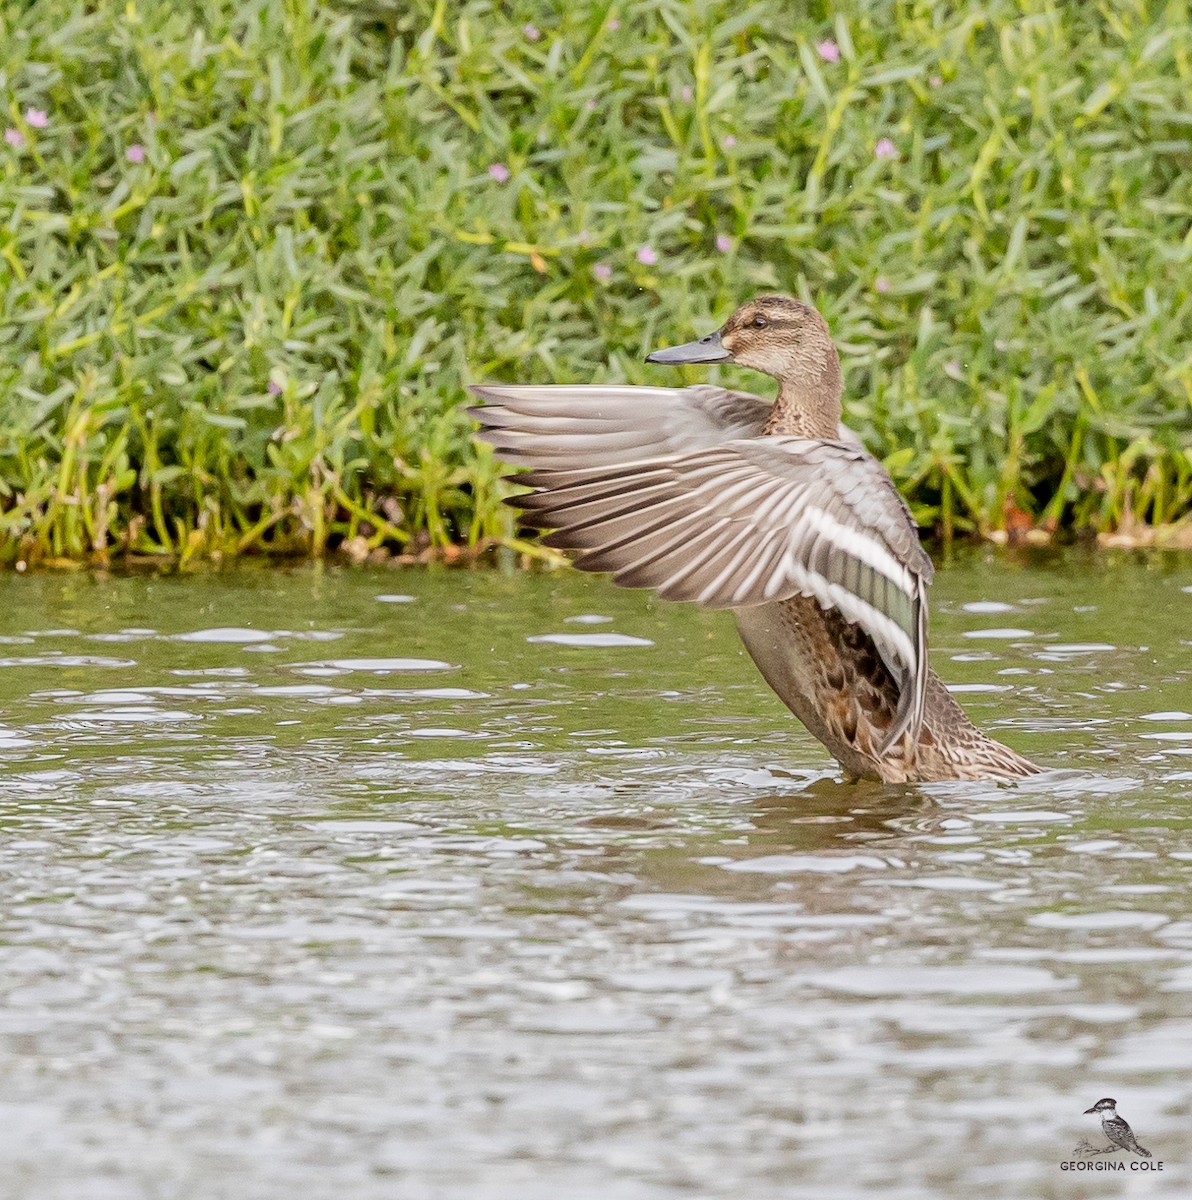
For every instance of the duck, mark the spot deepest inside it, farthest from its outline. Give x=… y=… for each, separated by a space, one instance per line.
x=773 y=510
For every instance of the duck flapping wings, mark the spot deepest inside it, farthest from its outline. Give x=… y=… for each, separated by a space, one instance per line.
x=680 y=490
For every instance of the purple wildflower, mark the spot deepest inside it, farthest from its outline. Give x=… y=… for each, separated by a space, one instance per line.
x=135 y=153
x=828 y=50
x=936 y=81
x=647 y=256
x=602 y=271
x=37 y=118
x=590 y=105
x=729 y=142
x=686 y=93
x=881 y=284
x=14 y=137
x=885 y=149
x=273 y=387
x=614 y=24
x=724 y=243
x=532 y=32
x=499 y=172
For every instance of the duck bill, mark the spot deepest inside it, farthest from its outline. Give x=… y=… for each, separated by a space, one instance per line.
x=709 y=349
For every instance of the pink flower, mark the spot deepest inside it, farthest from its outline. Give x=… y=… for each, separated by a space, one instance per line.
x=881 y=284
x=135 y=153
x=499 y=172
x=828 y=50
x=273 y=388
x=647 y=256
x=614 y=24
x=885 y=149
x=602 y=271
x=532 y=32
x=686 y=93
x=37 y=118
x=729 y=142
x=724 y=243
x=935 y=81
x=14 y=137
x=590 y=105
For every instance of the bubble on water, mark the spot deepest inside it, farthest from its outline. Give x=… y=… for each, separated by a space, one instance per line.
x=229 y=635
x=987 y=606
x=1099 y=920
x=1022 y=816
x=914 y=980
x=1097 y=846
x=998 y=634
x=792 y=864
x=443 y=693
x=374 y=666
x=1071 y=649
x=68 y=660
x=133 y=714
x=590 y=640
x=1100 y=1014
x=459 y=734
x=295 y=689
x=947 y=883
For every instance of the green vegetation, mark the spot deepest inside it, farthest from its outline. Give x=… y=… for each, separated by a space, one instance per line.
x=255 y=248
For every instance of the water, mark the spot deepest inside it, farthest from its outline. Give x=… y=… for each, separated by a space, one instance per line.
x=450 y=885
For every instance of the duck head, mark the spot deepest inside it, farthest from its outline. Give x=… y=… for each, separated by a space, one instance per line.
x=785 y=338
x=778 y=335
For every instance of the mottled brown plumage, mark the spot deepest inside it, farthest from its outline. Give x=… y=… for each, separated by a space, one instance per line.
x=774 y=511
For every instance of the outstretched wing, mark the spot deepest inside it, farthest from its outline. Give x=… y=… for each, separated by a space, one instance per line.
x=751 y=522
x=564 y=427
x=560 y=428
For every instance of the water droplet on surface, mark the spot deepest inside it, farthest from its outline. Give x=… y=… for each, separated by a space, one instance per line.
x=225 y=635
x=589 y=640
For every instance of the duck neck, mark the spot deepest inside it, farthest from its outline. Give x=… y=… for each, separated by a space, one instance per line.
x=808 y=403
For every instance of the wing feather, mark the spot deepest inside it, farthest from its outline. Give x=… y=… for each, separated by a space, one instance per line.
x=561 y=427
x=565 y=427
x=750 y=521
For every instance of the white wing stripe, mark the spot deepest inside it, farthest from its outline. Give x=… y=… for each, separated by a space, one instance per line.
x=853 y=608
x=860 y=545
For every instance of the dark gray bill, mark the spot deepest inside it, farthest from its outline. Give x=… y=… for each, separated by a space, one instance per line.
x=708 y=349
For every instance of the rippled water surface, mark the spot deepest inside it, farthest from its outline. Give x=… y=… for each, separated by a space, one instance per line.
x=427 y=886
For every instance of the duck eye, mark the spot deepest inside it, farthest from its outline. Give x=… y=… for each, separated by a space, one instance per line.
x=760 y=322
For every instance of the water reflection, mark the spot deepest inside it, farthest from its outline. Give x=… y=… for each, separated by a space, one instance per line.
x=481 y=907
